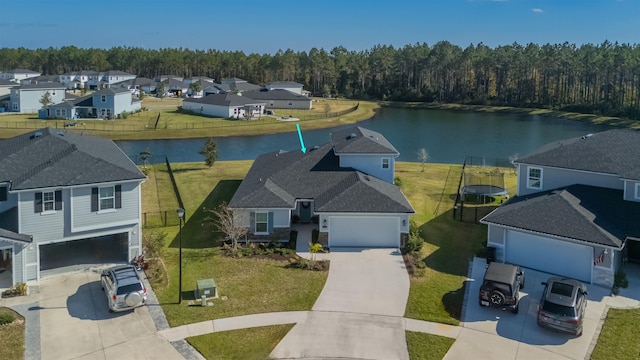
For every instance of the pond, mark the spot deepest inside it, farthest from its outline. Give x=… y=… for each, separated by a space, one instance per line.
x=448 y=136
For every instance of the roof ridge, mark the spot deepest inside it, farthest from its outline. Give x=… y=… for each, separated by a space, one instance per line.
x=564 y=192
x=45 y=164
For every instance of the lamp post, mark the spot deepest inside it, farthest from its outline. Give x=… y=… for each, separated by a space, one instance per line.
x=180 y=217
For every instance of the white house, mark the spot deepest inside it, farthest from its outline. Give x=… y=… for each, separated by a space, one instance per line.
x=225 y=106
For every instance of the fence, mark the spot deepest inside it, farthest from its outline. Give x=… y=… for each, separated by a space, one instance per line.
x=175 y=185
x=160 y=219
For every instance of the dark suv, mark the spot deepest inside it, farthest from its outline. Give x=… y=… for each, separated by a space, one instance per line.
x=501 y=286
x=562 y=305
x=123 y=287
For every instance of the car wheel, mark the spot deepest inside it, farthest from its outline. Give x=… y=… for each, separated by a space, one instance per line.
x=496 y=298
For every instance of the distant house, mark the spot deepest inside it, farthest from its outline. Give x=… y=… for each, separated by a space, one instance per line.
x=40 y=79
x=66 y=199
x=161 y=78
x=577 y=208
x=108 y=103
x=77 y=79
x=280 y=99
x=5 y=87
x=236 y=85
x=16 y=75
x=292 y=86
x=26 y=98
x=108 y=78
x=176 y=87
x=225 y=106
x=138 y=84
x=203 y=79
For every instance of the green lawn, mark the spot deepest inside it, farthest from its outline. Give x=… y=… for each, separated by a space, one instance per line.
x=423 y=346
x=249 y=285
x=618 y=338
x=12 y=337
x=246 y=344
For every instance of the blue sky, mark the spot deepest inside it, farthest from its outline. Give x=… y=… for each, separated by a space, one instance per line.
x=261 y=26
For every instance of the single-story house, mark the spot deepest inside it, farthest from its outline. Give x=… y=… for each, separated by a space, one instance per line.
x=280 y=99
x=225 y=105
x=292 y=86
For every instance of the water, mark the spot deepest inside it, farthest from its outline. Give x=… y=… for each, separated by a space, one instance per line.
x=448 y=136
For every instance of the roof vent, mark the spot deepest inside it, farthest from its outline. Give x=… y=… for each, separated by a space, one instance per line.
x=61 y=133
x=316 y=147
x=351 y=136
x=38 y=134
x=587 y=136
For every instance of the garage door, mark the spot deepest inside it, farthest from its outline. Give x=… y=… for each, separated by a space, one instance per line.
x=97 y=250
x=551 y=256
x=364 y=231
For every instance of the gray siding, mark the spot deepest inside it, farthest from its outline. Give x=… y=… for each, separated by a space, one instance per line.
x=288 y=104
x=84 y=219
x=18 y=263
x=43 y=227
x=12 y=201
x=553 y=178
x=29 y=100
x=630 y=191
x=370 y=164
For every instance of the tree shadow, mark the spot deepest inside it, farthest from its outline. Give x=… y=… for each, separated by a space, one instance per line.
x=196 y=234
x=453 y=301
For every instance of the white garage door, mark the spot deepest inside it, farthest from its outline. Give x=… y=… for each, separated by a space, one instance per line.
x=364 y=231
x=552 y=256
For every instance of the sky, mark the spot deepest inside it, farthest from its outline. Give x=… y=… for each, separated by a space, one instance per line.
x=262 y=26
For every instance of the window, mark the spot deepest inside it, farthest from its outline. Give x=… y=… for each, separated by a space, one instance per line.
x=48 y=201
x=534 y=180
x=106 y=198
x=637 y=194
x=103 y=98
x=15 y=106
x=3 y=193
x=261 y=222
x=385 y=163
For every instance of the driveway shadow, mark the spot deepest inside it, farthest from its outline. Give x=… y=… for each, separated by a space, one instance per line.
x=89 y=302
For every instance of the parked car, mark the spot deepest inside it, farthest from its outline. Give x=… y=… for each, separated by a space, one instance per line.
x=501 y=286
x=563 y=305
x=123 y=287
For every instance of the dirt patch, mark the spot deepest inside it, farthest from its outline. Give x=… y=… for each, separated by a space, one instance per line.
x=415 y=266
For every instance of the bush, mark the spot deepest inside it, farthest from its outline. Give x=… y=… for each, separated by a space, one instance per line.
x=6 y=318
x=306 y=264
x=153 y=243
x=397 y=181
x=415 y=242
x=18 y=289
x=620 y=280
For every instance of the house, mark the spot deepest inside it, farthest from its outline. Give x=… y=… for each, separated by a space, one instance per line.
x=107 y=103
x=66 y=199
x=292 y=86
x=5 y=90
x=346 y=184
x=224 y=105
x=26 y=98
x=236 y=85
x=138 y=84
x=16 y=75
x=176 y=87
x=576 y=209
x=280 y=99
x=108 y=78
x=40 y=79
x=77 y=79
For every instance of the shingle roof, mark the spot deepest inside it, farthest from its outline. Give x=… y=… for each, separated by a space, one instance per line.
x=580 y=212
x=357 y=140
x=277 y=179
x=112 y=91
x=10 y=235
x=276 y=94
x=43 y=85
x=116 y=73
x=21 y=71
x=62 y=159
x=224 y=100
x=611 y=152
x=7 y=83
x=284 y=83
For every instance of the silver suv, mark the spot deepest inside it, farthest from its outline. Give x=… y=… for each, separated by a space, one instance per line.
x=562 y=305
x=123 y=287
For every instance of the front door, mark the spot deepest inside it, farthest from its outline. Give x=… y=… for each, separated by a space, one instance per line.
x=305 y=212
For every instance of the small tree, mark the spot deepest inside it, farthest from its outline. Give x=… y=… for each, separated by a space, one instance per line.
x=46 y=100
x=83 y=90
x=423 y=156
x=195 y=87
x=144 y=157
x=209 y=151
x=160 y=90
x=232 y=224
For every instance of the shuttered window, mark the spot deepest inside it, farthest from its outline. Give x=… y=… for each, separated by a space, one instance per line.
x=106 y=198
x=48 y=201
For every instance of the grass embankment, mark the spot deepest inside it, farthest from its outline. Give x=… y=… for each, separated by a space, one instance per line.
x=618 y=338
x=12 y=337
x=249 y=285
x=163 y=121
x=256 y=343
x=423 y=346
x=591 y=118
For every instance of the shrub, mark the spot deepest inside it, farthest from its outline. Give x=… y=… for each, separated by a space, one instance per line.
x=153 y=243
x=415 y=242
x=124 y=114
x=620 y=279
x=295 y=219
x=315 y=233
x=6 y=318
x=398 y=181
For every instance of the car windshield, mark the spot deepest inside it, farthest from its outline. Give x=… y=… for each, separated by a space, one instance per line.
x=562 y=310
x=125 y=289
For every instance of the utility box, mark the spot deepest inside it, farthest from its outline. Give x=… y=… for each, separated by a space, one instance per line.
x=207 y=288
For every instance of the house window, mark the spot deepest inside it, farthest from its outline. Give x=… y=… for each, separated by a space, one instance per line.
x=534 y=181
x=103 y=98
x=290 y=103
x=15 y=106
x=107 y=198
x=637 y=194
x=261 y=222
x=48 y=200
x=385 y=163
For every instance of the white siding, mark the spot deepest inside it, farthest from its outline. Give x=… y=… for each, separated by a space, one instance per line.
x=364 y=231
x=370 y=164
x=632 y=190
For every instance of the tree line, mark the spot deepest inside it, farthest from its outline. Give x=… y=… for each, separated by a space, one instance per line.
x=602 y=79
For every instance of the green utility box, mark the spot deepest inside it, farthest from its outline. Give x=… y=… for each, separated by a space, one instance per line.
x=206 y=287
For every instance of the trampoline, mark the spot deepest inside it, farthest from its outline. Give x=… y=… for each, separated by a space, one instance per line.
x=481 y=182
x=484 y=190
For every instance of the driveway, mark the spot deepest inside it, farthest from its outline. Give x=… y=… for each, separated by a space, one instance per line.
x=494 y=334
x=359 y=312
x=75 y=323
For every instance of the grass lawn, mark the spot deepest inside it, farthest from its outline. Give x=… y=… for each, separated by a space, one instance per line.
x=426 y=346
x=438 y=293
x=618 y=337
x=173 y=124
x=12 y=337
x=250 y=285
x=232 y=345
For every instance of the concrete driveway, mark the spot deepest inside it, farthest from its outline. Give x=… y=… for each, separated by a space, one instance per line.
x=75 y=323
x=494 y=334
x=359 y=312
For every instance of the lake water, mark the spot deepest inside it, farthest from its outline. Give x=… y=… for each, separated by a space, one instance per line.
x=448 y=136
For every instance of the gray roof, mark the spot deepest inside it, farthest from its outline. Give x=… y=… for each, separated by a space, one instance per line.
x=81 y=72
x=276 y=94
x=277 y=179
x=59 y=158
x=284 y=83
x=43 y=85
x=21 y=71
x=12 y=236
x=611 y=152
x=116 y=73
x=7 y=83
x=580 y=212
x=113 y=90
x=357 y=140
x=224 y=100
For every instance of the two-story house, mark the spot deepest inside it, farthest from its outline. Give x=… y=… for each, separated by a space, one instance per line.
x=345 y=185
x=16 y=75
x=108 y=103
x=108 y=78
x=577 y=208
x=66 y=199
x=27 y=98
x=76 y=79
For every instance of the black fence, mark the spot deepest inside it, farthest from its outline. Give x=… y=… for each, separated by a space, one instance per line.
x=160 y=219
